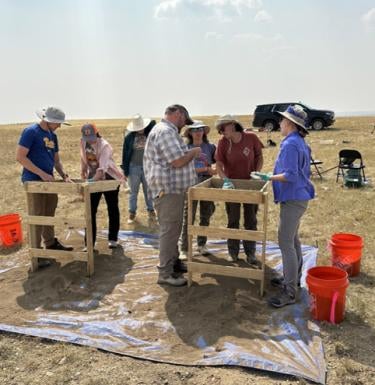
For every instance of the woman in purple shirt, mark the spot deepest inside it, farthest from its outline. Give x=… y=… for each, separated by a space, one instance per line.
x=292 y=189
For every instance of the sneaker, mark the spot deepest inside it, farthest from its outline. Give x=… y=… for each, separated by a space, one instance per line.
x=56 y=245
x=179 y=267
x=183 y=255
x=172 y=280
x=203 y=250
x=131 y=218
x=252 y=260
x=283 y=299
x=279 y=282
x=112 y=244
x=232 y=258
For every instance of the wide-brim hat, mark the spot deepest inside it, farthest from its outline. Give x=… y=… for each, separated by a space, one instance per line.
x=196 y=124
x=52 y=114
x=225 y=119
x=138 y=123
x=297 y=115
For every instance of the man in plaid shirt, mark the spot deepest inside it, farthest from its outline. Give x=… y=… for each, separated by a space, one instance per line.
x=169 y=171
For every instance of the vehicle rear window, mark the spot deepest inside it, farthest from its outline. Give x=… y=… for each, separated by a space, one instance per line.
x=280 y=107
x=264 y=108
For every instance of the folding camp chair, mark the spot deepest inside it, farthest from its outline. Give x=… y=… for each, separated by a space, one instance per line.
x=314 y=163
x=350 y=160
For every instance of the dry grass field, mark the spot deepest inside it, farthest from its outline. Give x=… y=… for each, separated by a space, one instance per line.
x=349 y=347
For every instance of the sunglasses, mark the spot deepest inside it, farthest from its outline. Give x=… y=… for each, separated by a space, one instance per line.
x=197 y=129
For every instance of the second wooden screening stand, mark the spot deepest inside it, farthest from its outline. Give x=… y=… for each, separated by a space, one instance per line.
x=246 y=191
x=79 y=187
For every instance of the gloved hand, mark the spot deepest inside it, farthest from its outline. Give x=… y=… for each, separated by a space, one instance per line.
x=261 y=175
x=228 y=185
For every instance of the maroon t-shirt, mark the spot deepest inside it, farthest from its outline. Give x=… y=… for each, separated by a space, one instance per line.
x=239 y=159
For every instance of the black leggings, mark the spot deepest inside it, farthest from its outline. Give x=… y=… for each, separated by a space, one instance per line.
x=111 y=198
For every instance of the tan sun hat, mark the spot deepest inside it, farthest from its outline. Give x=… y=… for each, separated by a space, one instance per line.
x=225 y=119
x=196 y=124
x=138 y=123
x=297 y=115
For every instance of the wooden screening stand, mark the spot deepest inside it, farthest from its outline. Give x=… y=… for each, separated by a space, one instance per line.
x=246 y=191
x=82 y=188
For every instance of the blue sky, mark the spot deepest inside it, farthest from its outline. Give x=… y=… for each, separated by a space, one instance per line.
x=112 y=58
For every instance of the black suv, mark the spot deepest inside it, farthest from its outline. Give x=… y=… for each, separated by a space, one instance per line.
x=266 y=116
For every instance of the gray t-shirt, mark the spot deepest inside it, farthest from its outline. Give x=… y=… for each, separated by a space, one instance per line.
x=138 y=149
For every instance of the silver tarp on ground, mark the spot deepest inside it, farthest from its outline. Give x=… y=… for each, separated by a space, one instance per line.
x=218 y=321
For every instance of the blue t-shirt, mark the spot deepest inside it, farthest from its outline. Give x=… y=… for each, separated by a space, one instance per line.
x=42 y=147
x=206 y=159
x=294 y=162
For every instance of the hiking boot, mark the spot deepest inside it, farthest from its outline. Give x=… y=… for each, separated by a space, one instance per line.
x=112 y=244
x=56 y=245
x=203 y=250
x=183 y=255
x=279 y=282
x=252 y=260
x=172 y=280
x=283 y=299
x=179 y=267
x=232 y=258
x=131 y=218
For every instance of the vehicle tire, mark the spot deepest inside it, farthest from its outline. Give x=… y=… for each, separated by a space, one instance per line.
x=270 y=125
x=317 y=124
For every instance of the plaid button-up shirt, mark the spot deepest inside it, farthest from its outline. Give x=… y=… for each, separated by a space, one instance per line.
x=163 y=146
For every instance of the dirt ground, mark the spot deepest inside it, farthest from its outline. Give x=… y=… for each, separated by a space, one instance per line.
x=348 y=346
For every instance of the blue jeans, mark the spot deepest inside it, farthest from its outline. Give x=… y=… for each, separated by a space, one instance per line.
x=135 y=178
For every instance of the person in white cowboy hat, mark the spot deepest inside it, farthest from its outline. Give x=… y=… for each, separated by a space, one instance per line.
x=38 y=153
x=169 y=171
x=293 y=189
x=132 y=163
x=238 y=154
x=196 y=135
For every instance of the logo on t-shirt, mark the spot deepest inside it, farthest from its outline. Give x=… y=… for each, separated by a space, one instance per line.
x=246 y=151
x=50 y=144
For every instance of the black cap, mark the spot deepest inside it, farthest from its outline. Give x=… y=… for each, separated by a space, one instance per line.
x=179 y=107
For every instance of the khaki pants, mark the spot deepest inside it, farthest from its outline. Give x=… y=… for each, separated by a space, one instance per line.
x=170 y=209
x=45 y=205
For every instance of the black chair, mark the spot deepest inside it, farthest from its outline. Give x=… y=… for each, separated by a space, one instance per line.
x=314 y=163
x=350 y=160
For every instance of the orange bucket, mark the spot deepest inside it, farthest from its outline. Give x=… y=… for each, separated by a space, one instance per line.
x=346 y=252
x=327 y=287
x=10 y=230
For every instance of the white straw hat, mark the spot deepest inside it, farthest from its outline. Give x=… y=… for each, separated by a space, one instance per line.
x=196 y=124
x=138 y=123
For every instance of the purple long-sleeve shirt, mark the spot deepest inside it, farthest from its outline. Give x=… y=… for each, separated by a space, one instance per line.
x=294 y=162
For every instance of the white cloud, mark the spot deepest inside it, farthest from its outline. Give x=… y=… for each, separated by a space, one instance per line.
x=263 y=16
x=213 y=35
x=222 y=10
x=369 y=18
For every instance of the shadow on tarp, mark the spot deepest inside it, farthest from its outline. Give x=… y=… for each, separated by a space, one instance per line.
x=68 y=288
x=217 y=321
